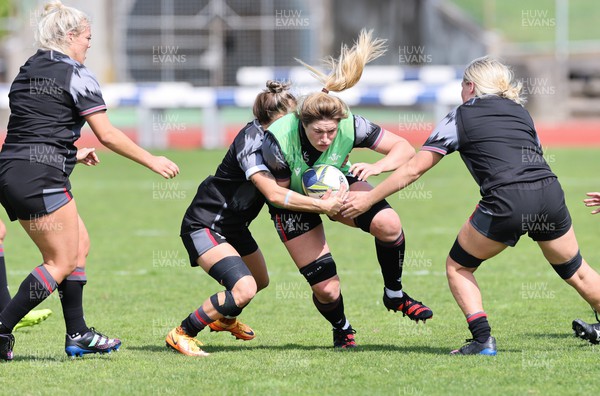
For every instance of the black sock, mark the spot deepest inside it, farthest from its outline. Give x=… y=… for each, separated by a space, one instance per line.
x=479 y=326
x=38 y=285
x=71 y=299
x=195 y=322
x=333 y=311
x=391 y=258
x=4 y=294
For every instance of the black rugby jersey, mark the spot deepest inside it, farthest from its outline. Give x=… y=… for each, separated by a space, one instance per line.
x=496 y=139
x=48 y=101
x=366 y=135
x=229 y=200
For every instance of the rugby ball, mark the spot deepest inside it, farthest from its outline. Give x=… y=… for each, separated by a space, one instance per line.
x=320 y=178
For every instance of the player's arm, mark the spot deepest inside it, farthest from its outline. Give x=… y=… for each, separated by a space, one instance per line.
x=442 y=141
x=285 y=198
x=117 y=141
x=87 y=97
x=274 y=181
x=396 y=150
x=358 y=203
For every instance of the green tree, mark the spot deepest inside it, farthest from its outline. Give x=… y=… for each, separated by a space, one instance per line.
x=5 y=11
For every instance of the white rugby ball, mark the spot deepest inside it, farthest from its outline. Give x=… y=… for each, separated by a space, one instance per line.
x=320 y=178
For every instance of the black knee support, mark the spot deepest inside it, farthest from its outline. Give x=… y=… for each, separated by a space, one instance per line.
x=228 y=309
x=229 y=270
x=568 y=269
x=364 y=220
x=319 y=270
x=458 y=254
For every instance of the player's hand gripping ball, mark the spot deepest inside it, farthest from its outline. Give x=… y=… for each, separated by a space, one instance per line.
x=320 y=178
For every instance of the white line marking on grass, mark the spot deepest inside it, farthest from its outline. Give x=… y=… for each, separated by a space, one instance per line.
x=18 y=272
x=128 y=273
x=426 y=273
x=151 y=233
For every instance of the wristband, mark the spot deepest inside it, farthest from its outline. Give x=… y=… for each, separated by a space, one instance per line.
x=287 y=198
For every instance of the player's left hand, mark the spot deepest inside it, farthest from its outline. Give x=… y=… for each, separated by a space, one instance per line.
x=357 y=203
x=593 y=201
x=87 y=156
x=362 y=170
x=331 y=203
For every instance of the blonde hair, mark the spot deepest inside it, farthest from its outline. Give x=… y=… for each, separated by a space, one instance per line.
x=490 y=76
x=345 y=73
x=55 y=22
x=275 y=100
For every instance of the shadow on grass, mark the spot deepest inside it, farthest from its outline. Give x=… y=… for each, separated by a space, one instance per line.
x=299 y=347
x=560 y=336
x=37 y=358
x=27 y=358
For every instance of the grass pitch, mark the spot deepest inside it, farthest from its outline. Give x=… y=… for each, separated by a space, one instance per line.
x=140 y=286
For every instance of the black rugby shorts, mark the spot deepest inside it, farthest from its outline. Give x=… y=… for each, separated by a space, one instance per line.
x=537 y=209
x=29 y=190
x=199 y=241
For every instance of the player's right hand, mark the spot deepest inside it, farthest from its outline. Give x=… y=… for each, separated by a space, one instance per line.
x=332 y=203
x=164 y=167
x=356 y=204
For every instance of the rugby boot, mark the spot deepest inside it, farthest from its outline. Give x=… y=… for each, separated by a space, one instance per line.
x=238 y=329
x=179 y=341
x=344 y=339
x=477 y=348
x=586 y=331
x=415 y=310
x=90 y=342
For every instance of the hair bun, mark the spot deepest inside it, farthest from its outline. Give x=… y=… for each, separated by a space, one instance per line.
x=53 y=6
x=276 y=87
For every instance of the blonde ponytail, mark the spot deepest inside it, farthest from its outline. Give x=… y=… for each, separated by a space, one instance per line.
x=491 y=77
x=345 y=73
x=347 y=69
x=54 y=24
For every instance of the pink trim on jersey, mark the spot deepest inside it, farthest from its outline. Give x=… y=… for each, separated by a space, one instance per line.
x=381 y=133
x=94 y=109
x=435 y=150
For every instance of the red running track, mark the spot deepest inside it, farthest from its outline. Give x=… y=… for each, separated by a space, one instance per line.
x=578 y=133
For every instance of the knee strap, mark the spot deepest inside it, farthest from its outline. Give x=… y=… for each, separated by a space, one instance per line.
x=229 y=270
x=228 y=309
x=568 y=269
x=458 y=254
x=319 y=270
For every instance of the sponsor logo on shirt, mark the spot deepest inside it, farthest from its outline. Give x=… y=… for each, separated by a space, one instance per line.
x=334 y=157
